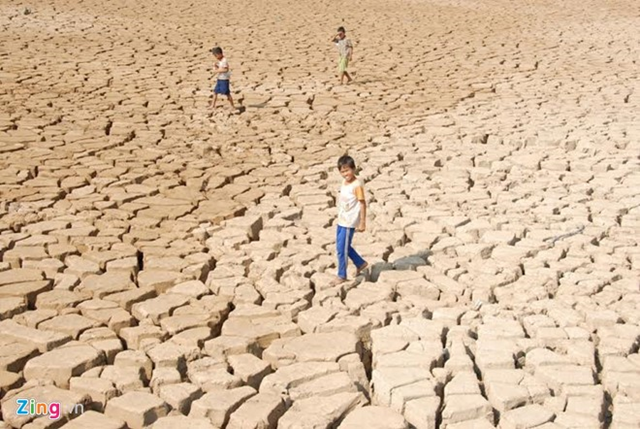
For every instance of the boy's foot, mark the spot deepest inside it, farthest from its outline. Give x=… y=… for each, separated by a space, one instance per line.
x=361 y=268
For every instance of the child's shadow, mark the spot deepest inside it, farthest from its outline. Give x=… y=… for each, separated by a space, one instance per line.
x=259 y=105
x=365 y=81
x=372 y=273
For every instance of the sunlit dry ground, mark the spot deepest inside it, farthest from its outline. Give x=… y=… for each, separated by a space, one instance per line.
x=164 y=262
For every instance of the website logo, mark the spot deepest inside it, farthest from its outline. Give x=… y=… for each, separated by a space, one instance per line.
x=29 y=407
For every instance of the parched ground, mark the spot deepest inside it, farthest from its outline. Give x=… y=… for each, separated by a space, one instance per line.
x=165 y=264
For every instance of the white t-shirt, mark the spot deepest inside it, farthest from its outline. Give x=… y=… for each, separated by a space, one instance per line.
x=223 y=63
x=349 y=204
x=344 y=47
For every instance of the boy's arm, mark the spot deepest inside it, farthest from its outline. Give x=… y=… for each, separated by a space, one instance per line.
x=363 y=209
x=223 y=69
x=350 y=48
x=217 y=69
x=363 y=215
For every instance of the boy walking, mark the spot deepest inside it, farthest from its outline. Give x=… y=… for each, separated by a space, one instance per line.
x=345 y=49
x=222 y=83
x=352 y=211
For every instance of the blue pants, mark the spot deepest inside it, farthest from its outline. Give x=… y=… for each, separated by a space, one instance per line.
x=344 y=236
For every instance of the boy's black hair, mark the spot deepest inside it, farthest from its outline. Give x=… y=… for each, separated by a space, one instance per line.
x=217 y=50
x=341 y=30
x=347 y=161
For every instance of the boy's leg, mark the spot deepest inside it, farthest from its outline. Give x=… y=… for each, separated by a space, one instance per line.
x=344 y=64
x=215 y=99
x=226 y=90
x=342 y=69
x=343 y=75
x=342 y=246
x=355 y=257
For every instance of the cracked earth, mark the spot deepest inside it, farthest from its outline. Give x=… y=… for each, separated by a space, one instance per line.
x=167 y=265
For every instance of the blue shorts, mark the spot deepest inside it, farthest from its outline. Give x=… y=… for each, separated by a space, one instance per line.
x=222 y=87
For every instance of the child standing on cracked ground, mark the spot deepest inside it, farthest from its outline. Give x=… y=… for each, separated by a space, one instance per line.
x=222 y=83
x=352 y=212
x=345 y=49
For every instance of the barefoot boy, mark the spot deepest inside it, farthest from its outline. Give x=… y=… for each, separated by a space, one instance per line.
x=222 y=84
x=352 y=211
x=345 y=49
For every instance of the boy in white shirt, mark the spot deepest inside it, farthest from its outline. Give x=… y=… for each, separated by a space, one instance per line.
x=222 y=83
x=352 y=211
